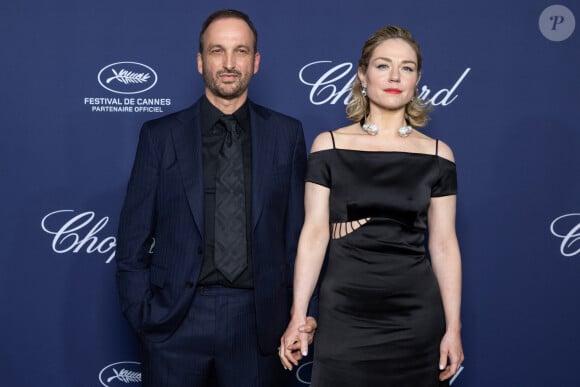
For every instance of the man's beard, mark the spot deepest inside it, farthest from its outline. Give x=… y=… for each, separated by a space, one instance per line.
x=229 y=90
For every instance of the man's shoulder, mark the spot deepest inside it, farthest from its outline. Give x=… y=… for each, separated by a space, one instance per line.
x=268 y=113
x=167 y=121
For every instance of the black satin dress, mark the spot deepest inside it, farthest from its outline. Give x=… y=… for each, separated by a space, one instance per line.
x=381 y=317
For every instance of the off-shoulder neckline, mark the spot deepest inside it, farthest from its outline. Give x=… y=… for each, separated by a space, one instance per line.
x=382 y=152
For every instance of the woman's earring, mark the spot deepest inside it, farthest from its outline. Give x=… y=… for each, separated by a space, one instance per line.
x=364 y=91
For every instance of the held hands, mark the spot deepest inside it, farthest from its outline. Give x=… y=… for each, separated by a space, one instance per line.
x=300 y=333
x=294 y=343
x=451 y=356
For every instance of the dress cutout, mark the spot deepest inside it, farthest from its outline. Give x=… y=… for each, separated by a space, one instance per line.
x=381 y=317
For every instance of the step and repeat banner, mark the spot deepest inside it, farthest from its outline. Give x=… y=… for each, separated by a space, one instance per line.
x=503 y=77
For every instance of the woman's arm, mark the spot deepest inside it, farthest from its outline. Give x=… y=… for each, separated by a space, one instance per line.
x=446 y=261
x=310 y=255
x=309 y=259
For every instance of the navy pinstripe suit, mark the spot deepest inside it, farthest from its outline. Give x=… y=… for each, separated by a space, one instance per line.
x=164 y=201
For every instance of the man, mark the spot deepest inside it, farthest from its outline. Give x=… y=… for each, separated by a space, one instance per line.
x=209 y=227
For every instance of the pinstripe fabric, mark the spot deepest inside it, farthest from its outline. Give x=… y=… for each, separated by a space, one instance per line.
x=215 y=346
x=164 y=201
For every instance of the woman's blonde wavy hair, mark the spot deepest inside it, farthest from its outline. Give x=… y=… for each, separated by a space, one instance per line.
x=416 y=111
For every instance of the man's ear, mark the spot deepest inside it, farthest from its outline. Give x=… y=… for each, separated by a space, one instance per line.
x=257 y=58
x=199 y=63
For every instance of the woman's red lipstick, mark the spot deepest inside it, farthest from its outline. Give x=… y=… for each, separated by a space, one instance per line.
x=393 y=91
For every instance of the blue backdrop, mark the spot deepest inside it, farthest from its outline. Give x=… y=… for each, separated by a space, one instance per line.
x=504 y=79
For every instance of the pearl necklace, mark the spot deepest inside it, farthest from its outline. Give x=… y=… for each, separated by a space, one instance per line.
x=373 y=130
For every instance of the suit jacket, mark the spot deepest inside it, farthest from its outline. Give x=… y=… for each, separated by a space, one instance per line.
x=160 y=242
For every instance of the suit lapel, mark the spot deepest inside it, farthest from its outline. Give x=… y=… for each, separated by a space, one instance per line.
x=263 y=144
x=188 y=147
x=187 y=141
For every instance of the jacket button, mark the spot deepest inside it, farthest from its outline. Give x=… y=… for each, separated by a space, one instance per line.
x=199 y=250
x=189 y=284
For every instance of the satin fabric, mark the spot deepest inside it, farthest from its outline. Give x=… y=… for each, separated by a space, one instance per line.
x=381 y=318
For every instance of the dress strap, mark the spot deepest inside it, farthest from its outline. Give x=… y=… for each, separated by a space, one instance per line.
x=332 y=136
x=436 y=147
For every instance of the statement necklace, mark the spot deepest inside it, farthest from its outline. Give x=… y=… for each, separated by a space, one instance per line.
x=372 y=129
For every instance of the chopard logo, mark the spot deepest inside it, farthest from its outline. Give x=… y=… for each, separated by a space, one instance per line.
x=329 y=83
x=567 y=227
x=74 y=233
x=120 y=374
x=127 y=77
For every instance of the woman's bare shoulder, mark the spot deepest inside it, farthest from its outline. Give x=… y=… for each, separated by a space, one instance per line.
x=325 y=140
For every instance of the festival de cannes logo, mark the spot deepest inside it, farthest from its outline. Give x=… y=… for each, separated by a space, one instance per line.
x=127 y=77
x=120 y=374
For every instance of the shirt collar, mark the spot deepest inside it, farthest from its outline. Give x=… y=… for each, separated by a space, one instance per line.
x=211 y=115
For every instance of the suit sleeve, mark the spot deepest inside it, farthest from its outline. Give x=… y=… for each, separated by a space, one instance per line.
x=136 y=230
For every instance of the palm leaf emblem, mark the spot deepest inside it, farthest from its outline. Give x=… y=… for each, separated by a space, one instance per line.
x=125 y=376
x=128 y=77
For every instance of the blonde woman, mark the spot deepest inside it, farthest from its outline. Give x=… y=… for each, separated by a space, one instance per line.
x=388 y=316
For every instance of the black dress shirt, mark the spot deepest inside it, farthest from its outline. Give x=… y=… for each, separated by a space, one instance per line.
x=213 y=135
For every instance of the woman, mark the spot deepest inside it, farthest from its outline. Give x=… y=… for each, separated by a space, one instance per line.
x=387 y=315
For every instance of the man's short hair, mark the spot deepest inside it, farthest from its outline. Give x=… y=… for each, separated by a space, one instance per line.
x=224 y=14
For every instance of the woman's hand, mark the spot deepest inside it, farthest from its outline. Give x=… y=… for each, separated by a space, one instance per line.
x=451 y=354
x=294 y=342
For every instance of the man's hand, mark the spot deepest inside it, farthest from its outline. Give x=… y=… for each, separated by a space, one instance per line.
x=294 y=343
